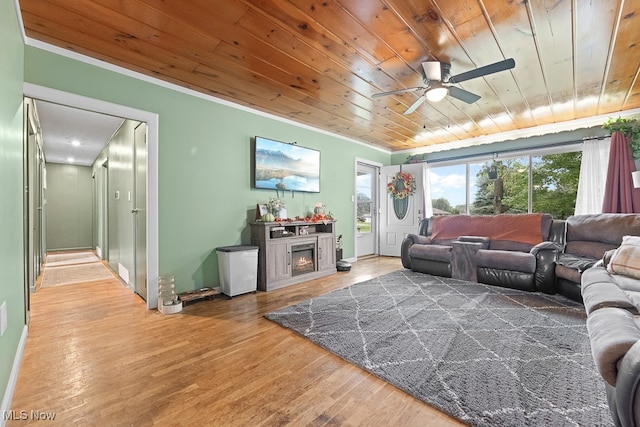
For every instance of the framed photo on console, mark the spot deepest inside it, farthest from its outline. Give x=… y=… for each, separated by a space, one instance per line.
x=261 y=210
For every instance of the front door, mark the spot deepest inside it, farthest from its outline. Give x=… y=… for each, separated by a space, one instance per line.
x=399 y=217
x=366 y=209
x=139 y=210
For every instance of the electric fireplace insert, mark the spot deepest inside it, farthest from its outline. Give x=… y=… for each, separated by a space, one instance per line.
x=303 y=258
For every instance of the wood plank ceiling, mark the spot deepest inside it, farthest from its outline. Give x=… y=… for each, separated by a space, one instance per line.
x=320 y=62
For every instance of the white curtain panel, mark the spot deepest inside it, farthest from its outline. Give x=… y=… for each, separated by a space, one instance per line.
x=426 y=188
x=593 y=176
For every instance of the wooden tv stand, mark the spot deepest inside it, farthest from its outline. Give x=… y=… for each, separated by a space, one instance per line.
x=293 y=252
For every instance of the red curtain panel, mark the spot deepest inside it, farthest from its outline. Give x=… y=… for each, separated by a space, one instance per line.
x=619 y=194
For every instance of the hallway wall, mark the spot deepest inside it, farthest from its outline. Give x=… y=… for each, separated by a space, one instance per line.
x=69 y=209
x=120 y=245
x=12 y=290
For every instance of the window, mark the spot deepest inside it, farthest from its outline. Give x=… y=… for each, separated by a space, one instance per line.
x=546 y=183
x=364 y=184
x=448 y=189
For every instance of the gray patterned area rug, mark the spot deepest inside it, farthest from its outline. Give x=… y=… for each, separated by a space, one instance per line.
x=486 y=355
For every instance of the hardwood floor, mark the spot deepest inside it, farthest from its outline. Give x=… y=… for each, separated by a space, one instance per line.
x=96 y=356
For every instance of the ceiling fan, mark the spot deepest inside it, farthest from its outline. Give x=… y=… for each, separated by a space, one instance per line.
x=437 y=75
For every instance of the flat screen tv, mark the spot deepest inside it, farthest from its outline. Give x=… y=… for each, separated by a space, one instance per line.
x=286 y=167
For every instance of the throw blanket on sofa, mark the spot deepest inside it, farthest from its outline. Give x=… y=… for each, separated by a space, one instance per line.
x=525 y=228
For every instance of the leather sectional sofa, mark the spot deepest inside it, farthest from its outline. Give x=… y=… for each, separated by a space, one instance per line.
x=515 y=251
x=612 y=303
x=531 y=252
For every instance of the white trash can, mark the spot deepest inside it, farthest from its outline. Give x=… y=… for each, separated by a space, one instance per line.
x=238 y=269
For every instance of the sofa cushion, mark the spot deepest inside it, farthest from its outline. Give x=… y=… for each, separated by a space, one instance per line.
x=506 y=260
x=601 y=289
x=630 y=286
x=626 y=259
x=508 y=245
x=432 y=252
x=575 y=262
x=588 y=249
x=570 y=267
x=604 y=228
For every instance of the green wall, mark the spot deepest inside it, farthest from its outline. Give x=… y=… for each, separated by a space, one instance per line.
x=11 y=248
x=69 y=208
x=205 y=195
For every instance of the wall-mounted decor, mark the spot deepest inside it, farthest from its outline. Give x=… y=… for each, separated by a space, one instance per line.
x=286 y=167
x=401 y=187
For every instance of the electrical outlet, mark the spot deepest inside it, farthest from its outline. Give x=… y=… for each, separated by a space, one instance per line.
x=3 y=318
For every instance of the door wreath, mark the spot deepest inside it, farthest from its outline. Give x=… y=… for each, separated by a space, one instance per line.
x=402 y=185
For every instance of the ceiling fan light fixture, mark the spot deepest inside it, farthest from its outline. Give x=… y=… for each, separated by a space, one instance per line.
x=437 y=93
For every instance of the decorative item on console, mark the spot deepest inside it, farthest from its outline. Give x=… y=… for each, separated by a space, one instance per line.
x=277 y=208
x=275 y=211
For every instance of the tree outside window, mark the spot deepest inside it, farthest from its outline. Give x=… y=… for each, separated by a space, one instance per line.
x=506 y=193
x=555 y=183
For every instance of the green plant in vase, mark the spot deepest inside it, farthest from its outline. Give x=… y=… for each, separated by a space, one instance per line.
x=275 y=206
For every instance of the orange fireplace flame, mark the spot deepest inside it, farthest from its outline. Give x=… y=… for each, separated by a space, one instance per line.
x=303 y=262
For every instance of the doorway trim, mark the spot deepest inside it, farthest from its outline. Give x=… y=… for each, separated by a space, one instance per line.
x=152 y=119
x=355 y=204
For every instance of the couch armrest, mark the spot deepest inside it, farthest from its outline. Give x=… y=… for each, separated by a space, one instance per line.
x=543 y=246
x=627 y=389
x=484 y=241
x=410 y=240
x=546 y=254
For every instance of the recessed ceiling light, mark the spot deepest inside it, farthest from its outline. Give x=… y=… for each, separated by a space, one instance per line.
x=75 y=143
x=70 y=159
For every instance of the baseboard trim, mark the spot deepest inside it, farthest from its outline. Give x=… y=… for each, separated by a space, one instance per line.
x=13 y=378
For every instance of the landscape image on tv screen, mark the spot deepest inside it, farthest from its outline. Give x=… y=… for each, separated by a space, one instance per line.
x=286 y=167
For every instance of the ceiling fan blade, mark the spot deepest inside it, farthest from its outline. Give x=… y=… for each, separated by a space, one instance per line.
x=483 y=71
x=432 y=70
x=395 y=92
x=463 y=95
x=415 y=105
